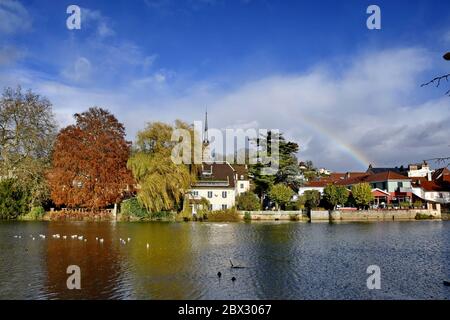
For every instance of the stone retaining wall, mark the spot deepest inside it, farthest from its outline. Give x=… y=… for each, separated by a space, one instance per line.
x=343 y=215
x=274 y=215
x=382 y=215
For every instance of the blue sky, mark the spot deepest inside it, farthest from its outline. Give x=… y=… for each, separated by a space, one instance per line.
x=312 y=69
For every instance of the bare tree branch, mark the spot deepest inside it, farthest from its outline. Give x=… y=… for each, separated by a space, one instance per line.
x=440 y=160
x=437 y=81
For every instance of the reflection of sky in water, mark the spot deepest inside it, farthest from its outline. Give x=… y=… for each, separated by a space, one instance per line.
x=283 y=260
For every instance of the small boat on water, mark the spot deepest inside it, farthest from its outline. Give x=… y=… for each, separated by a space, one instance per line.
x=447 y=283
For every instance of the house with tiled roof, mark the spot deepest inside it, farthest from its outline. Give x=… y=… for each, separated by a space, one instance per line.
x=317 y=185
x=374 y=170
x=219 y=182
x=393 y=185
x=389 y=186
x=435 y=189
x=419 y=170
x=441 y=175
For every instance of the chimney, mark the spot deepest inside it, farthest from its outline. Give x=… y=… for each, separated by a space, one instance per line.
x=429 y=176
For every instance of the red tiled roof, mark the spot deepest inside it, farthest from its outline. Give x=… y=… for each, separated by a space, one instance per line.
x=441 y=174
x=388 y=175
x=378 y=177
x=351 y=174
x=318 y=183
x=433 y=186
x=336 y=176
x=350 y=181
x=241 y=170
x=216 y=172
x=379 y=193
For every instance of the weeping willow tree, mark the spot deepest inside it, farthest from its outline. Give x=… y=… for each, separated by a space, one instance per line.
x=162 y=184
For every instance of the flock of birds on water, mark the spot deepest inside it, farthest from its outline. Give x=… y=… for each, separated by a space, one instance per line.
x=76 y=237
x=122 y=241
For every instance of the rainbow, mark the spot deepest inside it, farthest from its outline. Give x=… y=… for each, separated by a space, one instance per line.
x=346 y=147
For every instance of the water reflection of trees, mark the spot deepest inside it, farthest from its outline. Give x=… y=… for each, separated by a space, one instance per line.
x=101 y=268
x=168 y=269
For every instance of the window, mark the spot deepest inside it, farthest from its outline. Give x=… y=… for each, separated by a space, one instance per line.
x=224 y=207
x=209 y=194
x=400 y=184
x=224 y=194
x=195 y=193
x=242 y=186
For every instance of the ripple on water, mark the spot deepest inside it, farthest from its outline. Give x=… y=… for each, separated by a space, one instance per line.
x=282 y=260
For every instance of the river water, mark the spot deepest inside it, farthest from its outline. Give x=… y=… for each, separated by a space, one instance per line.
x=282 y=260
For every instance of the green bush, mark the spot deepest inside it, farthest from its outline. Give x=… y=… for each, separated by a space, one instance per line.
x=335 y=195
x=248 y=201
x=292 y=206
x=405 y=204
x=421 y=216
x=280 y=194
x=163 y=215
x=131 y=208
x=37 y=212
x=311 y=199
x=418 y=204
x=247 y=216
x=13 y=200
x=362 y=194
x=300 y=203
x=228 y=215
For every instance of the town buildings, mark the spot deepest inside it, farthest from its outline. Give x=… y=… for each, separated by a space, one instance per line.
x=218 y=182
x=395 y=185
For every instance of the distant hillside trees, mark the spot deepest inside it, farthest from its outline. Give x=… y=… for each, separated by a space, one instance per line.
x=27 y=133
x=89 y=162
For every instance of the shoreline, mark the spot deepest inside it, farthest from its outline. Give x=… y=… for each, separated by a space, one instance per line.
x=302 y=220
x=305 y=216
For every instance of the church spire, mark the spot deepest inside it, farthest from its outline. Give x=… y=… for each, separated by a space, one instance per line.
x=205 y=134
x=206 y=154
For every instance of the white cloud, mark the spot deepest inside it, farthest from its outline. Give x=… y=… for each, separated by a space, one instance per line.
x=149 y=61
x=369 y=112
x=9 y=55
x=79 y=71
x=95 y=19
x=374 y=108
x=14 y=17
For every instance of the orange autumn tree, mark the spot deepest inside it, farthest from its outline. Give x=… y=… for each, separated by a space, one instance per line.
x=89 y=162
